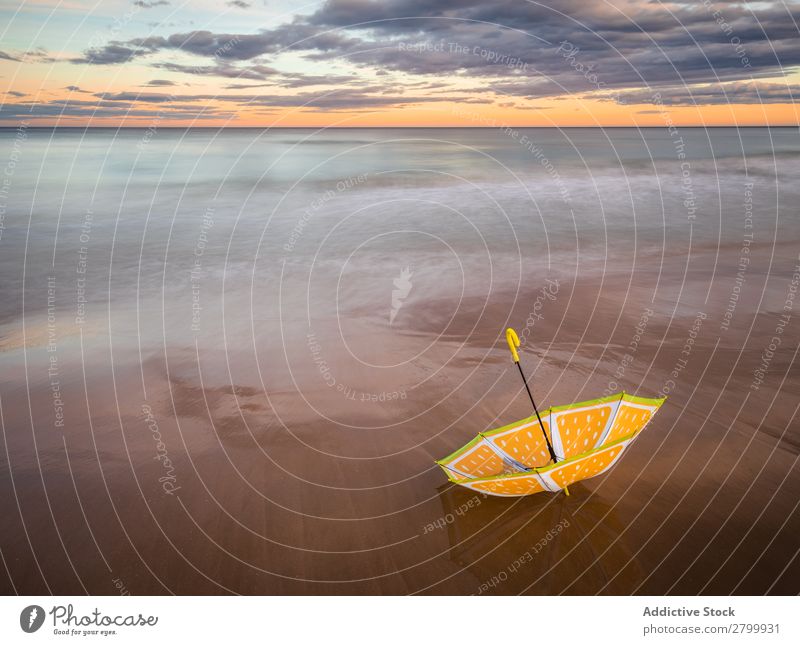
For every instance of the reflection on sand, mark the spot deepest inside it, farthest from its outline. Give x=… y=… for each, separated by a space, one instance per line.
x=542 y=544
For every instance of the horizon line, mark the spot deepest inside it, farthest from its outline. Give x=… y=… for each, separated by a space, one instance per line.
x=383 y=127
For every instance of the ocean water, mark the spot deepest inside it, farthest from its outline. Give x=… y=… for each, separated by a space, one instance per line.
x=145 y=215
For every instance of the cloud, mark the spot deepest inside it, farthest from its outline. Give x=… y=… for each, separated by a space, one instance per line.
x=627 y=44
x=200 y=43
x=222 y=46
x=137 y=96
x=160 y=82
x=38 y=55
x=6 y=56
x=221 y=69
x=89 y=110
x=305 y=80
x=245 y=86
x=293 y=81
x=239 y=3
x=111 y=54
x=741 y=92
x=349 y=98
x=150 y=5
x=506 y=47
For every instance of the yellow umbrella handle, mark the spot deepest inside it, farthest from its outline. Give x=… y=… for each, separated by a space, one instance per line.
x=513 y=342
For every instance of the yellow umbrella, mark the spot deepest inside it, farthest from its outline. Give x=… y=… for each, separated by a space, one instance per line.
x=551 y=450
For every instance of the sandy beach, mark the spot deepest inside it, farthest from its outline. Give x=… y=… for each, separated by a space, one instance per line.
x=252 y=493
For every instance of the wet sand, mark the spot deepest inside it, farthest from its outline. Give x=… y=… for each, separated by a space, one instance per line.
x=223 y=470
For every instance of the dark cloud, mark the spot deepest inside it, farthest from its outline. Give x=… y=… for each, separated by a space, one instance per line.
x=293 y=81
x=508 y=47
x=160 y=82
x=201 y=43
x=719 y=94
x=223 y=46
x=111 y=54
x=246 y=86
x=31 y=55
x=633 y=45
x=88 y=110
x=206 y=43
x=136 y=96
x=150 y=5
x=239 y=4
x=222 y=69
x=306 y=80
x=349 y=98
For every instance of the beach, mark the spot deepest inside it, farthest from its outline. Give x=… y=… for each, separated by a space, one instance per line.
x=231 y=358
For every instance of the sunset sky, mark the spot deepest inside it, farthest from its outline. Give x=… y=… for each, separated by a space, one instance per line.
x=398 y=63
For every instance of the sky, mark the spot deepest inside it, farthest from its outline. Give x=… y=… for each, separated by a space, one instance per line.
x=348 y=63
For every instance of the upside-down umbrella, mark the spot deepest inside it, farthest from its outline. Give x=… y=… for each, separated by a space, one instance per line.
x=552 y=449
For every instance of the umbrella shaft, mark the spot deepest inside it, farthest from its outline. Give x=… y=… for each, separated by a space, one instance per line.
x=535 y=409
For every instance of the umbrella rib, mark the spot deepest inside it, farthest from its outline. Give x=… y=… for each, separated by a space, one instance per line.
x=536 y=410
x=612 y=421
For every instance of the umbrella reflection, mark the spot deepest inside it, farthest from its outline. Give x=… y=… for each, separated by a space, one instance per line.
x=537 y=544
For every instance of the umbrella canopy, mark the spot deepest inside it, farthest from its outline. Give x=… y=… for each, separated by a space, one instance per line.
x=587 y=438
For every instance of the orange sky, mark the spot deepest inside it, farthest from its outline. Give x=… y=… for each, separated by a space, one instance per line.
x=114 y=63
x=569 y=112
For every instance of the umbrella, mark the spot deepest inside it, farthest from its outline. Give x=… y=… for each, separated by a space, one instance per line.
x=551 y=450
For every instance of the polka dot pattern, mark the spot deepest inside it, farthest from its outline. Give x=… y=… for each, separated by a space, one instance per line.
x=525 y=444
x=513 y=460
x=629 y=419
x=580 y=429
x=509 y=486
x=481 y=461
x=586 y=467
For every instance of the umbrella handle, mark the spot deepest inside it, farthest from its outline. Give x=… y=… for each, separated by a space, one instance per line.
x=513 y=342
